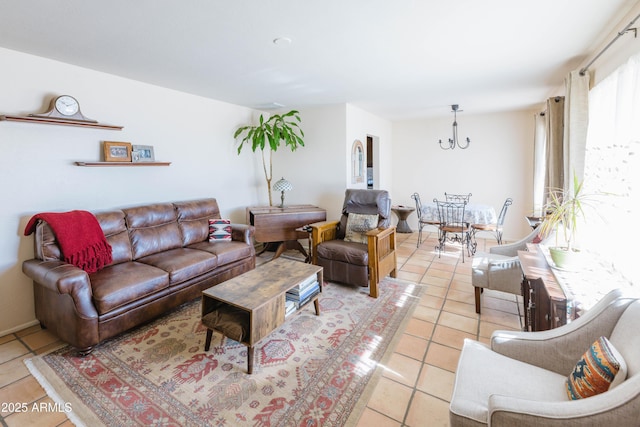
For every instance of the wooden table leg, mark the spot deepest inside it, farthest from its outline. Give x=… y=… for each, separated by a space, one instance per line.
x=250 y=352
x=316 y=304
x=207 y=342
x=291 y=244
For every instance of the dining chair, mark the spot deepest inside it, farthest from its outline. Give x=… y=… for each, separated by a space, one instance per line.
x=499 y=269
x=422 y=220
x=457 y=197
x=453 y=227
x=495 y=227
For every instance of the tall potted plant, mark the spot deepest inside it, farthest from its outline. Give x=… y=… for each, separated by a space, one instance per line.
x=565 y=211
x=273 y=131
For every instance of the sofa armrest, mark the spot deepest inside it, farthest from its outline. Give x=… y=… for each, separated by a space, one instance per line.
x=62 y=278
x=617 y=407
x=322 y=231
x=511 y=249
x=242 y=233
x=559 y=349
x=381 y=244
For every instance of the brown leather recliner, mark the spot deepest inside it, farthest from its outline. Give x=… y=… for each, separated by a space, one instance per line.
x=351 y=261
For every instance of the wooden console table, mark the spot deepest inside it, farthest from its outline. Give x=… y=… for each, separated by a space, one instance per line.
x=278 y=225
x=554 y=297
x=545 y=303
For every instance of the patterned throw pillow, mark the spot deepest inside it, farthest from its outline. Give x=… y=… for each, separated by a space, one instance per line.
x=358 y=225
x=600 y=368
x=219 y=230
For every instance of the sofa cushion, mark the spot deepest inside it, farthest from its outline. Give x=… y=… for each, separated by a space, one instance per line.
x=596 y=371
x=115 y=230
x=153 y=229
x=121 y=284
x=182 y=263
x=193 y=219
x=348 y=252
x=226 y=252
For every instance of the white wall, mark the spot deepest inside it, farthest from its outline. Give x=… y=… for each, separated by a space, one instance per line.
x=498 y=164
x=361 y=124
x=37 y=171
x=321 y=171
x=317 y=170
x=618 y=53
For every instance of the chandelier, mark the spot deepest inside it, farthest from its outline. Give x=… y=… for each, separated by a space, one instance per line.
x=454 y=142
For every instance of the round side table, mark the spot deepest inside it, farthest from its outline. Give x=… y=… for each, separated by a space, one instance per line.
x=403 y=213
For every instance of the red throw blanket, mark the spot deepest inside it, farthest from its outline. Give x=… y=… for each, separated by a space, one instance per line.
x=80 y=237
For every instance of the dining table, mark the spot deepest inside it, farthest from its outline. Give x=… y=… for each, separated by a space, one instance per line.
x=474 y=213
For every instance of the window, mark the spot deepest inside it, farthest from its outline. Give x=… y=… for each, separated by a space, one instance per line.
x=612 y=166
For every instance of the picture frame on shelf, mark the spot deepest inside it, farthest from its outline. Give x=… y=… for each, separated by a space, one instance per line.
x=142 y=153
x=116 y=151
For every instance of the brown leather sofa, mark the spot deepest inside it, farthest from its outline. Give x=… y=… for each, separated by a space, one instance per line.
x=161 y=258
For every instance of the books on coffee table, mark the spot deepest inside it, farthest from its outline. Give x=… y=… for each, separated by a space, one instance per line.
x=301 y=294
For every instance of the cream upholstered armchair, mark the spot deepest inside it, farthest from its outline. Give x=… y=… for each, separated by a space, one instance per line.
x=499 y=269
x=360 y=248
x=520 y=379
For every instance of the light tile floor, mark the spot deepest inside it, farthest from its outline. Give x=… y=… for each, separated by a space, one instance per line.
x=417 y=384
x=416 y=388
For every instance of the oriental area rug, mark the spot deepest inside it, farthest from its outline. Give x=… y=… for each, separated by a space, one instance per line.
x=312 y=371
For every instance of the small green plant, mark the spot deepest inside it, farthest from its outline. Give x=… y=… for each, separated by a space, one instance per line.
x=565 y=210
x=270 y=134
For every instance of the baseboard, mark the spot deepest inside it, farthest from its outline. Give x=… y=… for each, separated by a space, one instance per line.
x=19 y=327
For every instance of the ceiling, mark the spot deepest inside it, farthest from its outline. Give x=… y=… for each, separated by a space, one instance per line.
x=397 y=59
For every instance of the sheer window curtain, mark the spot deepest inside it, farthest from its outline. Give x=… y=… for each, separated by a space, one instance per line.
x=576 y=121
x=612 y=166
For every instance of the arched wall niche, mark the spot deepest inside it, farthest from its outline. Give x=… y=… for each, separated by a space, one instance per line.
x=357 y=162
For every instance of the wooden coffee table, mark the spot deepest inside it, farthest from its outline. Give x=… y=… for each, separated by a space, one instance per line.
x=249 y=307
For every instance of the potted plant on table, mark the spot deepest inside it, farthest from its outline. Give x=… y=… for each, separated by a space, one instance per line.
x=565 y=212
x=273 y=131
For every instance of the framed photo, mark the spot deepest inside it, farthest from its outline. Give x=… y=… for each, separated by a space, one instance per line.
x=117 y=151
x=143 y=153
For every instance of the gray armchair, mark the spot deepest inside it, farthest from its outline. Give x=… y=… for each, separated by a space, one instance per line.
x=499 y=269
x=519 y=380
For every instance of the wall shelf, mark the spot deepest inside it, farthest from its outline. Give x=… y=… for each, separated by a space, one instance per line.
x=59 y=122
x=113 y=164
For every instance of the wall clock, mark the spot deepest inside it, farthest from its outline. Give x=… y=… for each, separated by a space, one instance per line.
x=64 y=107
